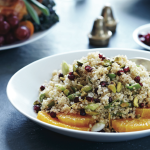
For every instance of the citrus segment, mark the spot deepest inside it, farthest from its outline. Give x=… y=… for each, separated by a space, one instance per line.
x=129 y=125
x=144 y=112
x=45 y=117
x=75 y=119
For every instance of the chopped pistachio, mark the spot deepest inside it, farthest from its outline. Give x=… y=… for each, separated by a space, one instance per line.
x=112 y=88
x=36 y=103
x=79 y=86
x=135 y=86
x=76 y=74
x=62 y=78
x=66 y=92
x=72 y=97
x=107 y=63
x=124 y=104
x=60 y=87
x=75 y=67
x=117 y=59
x=86 y=88
x=92 y=113
x=111 y=76
x=135 y=102
x=91 y=106
x=108 y=68
x=119 y=87
x=79 y=63
x=83 y=94
x=74 y=89
x=52 y=103
x=122 y=66
x=42 y=96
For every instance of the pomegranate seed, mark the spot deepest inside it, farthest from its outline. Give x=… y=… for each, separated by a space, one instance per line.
x=82 y=112
x=70 y=73
x=61 y=75
x=53 y=114
x=137 y=79
x=103 y=58
x=42 y=88
x=126 y=69
x=103 y=83
x=36 y=108
x=147 y=38
x=88 y=68
x=97 y=100
x=110 y=99
x=141 y=105
x=119 y=73
x=141 y=84
x=100 y=56
x=96 y=89
x=71 y=77
x=76 y=100
x=89 y=98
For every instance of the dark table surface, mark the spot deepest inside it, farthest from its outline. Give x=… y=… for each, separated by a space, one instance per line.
x=76 y=19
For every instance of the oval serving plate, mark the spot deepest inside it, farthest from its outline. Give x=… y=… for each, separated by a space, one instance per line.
x=22 y=91
x=141 y=30
x=33 y=38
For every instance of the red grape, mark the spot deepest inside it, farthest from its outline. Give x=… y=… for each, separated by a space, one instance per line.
x=13 y=21
x=10 y=38
x=22 y=33
x=4 y=28
x=1 y=40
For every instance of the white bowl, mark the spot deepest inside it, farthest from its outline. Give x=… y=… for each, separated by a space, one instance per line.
x=141 y=30
x=22 y=91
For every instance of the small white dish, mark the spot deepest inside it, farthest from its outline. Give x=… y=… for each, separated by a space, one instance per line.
x=141 y=30
x=22 y=91
x=33 y=38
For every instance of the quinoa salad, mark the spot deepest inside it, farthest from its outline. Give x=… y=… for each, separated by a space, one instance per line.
x=102 y=88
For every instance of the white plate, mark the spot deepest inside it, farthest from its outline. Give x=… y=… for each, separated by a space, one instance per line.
x=22 y=91
x=33 y=38
x=141 y=30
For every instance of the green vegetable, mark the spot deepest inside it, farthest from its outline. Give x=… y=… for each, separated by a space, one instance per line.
x=110 y=104
x=108 y=68
x=75 y=67
x=44 y=9
x=92 y=106
x=79 y=63
x=74 y=89
x=72 y=96
x=60 y=87
x=111 y=76
x=76 y=74
x=90 y=80
x=83 y=94
x=107 y=63
x=122 y=66
x=52 y=103
x=86 y=88
x=42 y=96
x=65 y=68
x=79 y=86
x=135 y=86
x=36 y=103
x=66 y=92
x=32 y=12
x=119 y=87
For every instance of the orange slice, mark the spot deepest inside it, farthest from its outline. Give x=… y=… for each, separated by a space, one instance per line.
x=75 y=119
x=129 y=125
x=144 y=112
x=45 y=117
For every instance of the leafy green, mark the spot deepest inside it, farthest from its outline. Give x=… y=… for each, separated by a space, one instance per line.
x=44 y=9
x=32 y=12
x=110 y=105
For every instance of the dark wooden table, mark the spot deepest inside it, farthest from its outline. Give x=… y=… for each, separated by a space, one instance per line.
x=76 y=19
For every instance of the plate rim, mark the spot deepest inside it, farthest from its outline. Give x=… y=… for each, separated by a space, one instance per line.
x=71 y=130
x=135 y=36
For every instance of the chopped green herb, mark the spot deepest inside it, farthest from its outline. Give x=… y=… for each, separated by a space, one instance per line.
x=42 y=96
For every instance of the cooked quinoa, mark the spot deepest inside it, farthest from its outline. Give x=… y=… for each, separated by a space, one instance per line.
x=114 y=86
